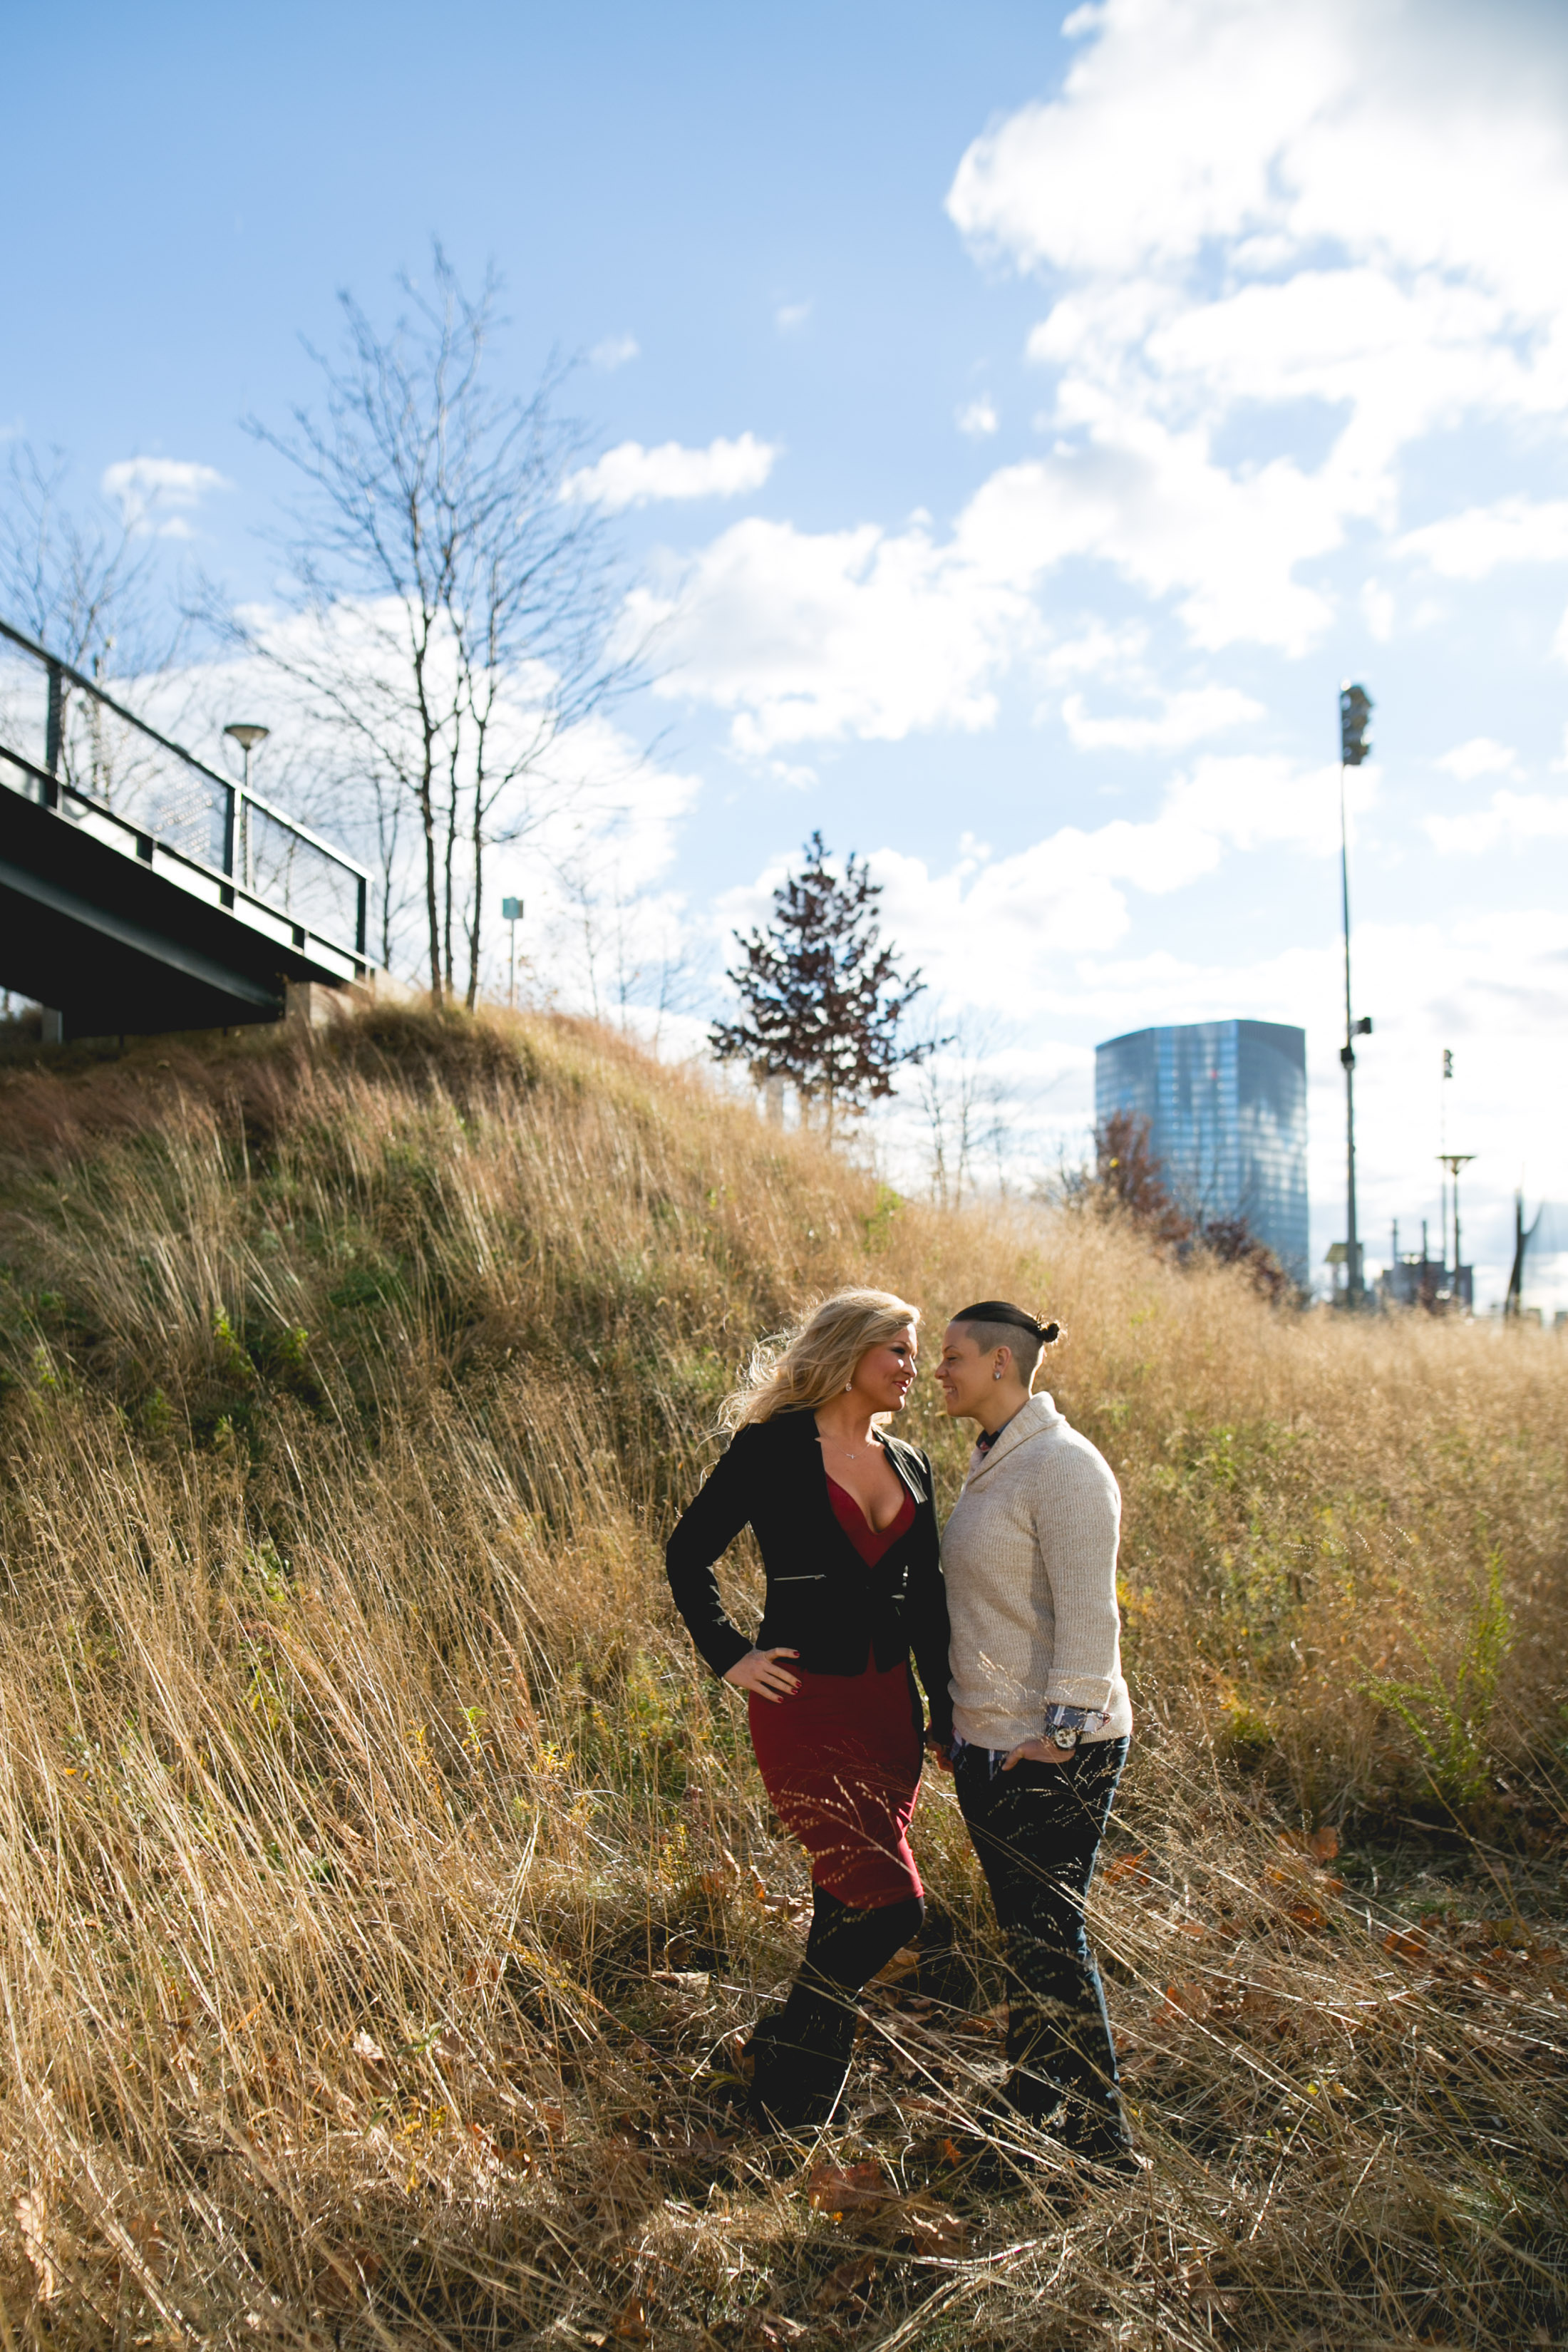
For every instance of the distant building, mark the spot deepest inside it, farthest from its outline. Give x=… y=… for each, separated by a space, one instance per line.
x=1227 y=1106
x=1413 y=1278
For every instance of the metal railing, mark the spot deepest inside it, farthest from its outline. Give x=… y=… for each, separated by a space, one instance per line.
x=67 y=743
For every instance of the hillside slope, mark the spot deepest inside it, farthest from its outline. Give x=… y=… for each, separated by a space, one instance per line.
x=380 y=1868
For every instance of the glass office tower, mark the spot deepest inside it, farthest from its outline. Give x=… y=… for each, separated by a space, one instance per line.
x=1227 y=1106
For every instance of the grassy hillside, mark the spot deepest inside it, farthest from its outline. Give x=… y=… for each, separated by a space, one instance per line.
x=380 y=1868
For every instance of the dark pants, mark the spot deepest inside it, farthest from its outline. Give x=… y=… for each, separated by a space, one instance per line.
x=1037 y=1830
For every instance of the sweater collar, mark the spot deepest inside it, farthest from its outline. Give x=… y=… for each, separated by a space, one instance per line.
x=1031 y=1420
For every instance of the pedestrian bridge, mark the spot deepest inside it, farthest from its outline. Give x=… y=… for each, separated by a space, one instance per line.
x=142 y=891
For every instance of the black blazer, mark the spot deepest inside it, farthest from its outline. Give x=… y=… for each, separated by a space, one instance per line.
x=822 y=1598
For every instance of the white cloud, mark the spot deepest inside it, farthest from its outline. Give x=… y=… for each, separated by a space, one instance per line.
x=1247 y=214
x=1510 y=817
x=1379 y=610
x=614 y=352
x=1480 y=757
x=1067 y=895
x=158 y=494
x=791 y=315
x=1471 y=545
x=868 y=632
x=1250 y=799
x=1189 y=121
x=815 y=637
x=1246 y=206
x=631 y=476
x=1187 y=718
x=977 y=417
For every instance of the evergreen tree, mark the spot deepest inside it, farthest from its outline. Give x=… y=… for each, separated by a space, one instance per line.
x=820 y=993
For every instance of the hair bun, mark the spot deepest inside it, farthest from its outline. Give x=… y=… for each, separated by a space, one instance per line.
x=1049 y=1331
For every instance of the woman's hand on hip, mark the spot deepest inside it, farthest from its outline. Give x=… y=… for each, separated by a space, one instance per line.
x=760 y=1670
x=1037 y=1751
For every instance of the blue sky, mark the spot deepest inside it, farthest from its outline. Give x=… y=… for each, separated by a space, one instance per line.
x=1112 y=393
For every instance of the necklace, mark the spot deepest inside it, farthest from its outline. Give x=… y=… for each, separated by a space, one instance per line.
x=845 y=1450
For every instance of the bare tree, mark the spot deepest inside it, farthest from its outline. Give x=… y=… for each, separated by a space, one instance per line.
x=453 y=608
x=962 y=1096
x=77 y=577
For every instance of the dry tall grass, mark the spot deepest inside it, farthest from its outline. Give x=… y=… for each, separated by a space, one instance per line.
x=380 y=1869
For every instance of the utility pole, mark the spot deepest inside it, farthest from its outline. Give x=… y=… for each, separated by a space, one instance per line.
x=511 y=912
x=1453 y=1161
x=1442 y=1150
x=1355 y=711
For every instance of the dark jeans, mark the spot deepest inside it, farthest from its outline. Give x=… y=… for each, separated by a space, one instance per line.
x=1037 y=1830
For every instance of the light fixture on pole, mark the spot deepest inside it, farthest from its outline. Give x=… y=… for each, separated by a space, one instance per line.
x=1355 y=711
x=247 y=735
x=1453 y=1161
x=511 y=912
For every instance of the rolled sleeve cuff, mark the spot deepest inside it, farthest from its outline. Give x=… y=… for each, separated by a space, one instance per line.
x=1091 y=1691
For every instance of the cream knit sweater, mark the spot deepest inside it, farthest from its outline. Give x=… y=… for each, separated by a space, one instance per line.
x=1029 y=1556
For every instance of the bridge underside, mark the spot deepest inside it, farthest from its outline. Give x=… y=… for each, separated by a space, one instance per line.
x=119 y=948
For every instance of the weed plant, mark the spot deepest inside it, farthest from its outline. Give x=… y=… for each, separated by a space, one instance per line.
x=382 y=1873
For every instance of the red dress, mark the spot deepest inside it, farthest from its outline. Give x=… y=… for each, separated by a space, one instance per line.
x=841 y=1759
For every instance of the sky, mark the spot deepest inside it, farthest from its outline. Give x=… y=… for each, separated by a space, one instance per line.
x=1018 y=428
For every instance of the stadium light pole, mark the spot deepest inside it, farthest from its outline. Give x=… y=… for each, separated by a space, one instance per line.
x=1355 y=711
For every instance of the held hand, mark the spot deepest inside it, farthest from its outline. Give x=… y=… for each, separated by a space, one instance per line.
x=1037 y=1751
x=760 y=1670
x=939 y=1751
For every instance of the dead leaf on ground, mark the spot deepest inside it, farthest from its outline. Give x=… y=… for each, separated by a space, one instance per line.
x=929 y=2228
x=345 y=2279
x=630 y=2325
x=851 y=2279
x=146 y=2235
x=1318 y=1845
x=839 y=2189
x=1127 y=1866
x=1407 y=1943
x=1186 y=2000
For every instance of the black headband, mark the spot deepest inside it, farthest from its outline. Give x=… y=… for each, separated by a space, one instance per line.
x=999 y=1310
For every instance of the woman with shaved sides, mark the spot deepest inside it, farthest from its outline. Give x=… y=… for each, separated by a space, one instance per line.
x=844 y=1516
x=1041 y=1716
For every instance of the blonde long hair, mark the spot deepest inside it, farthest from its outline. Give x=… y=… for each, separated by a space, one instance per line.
x=804 y=1368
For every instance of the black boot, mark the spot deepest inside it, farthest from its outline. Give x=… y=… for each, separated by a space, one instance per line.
x=802 y=2055
x=1096 y=2127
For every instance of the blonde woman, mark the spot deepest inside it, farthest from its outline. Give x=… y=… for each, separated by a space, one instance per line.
x=842 y=1513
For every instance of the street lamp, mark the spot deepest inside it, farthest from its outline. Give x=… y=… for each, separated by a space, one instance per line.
x=248 y=735
x=1453 y=1161
x=511 y=912
x=1355 y=711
